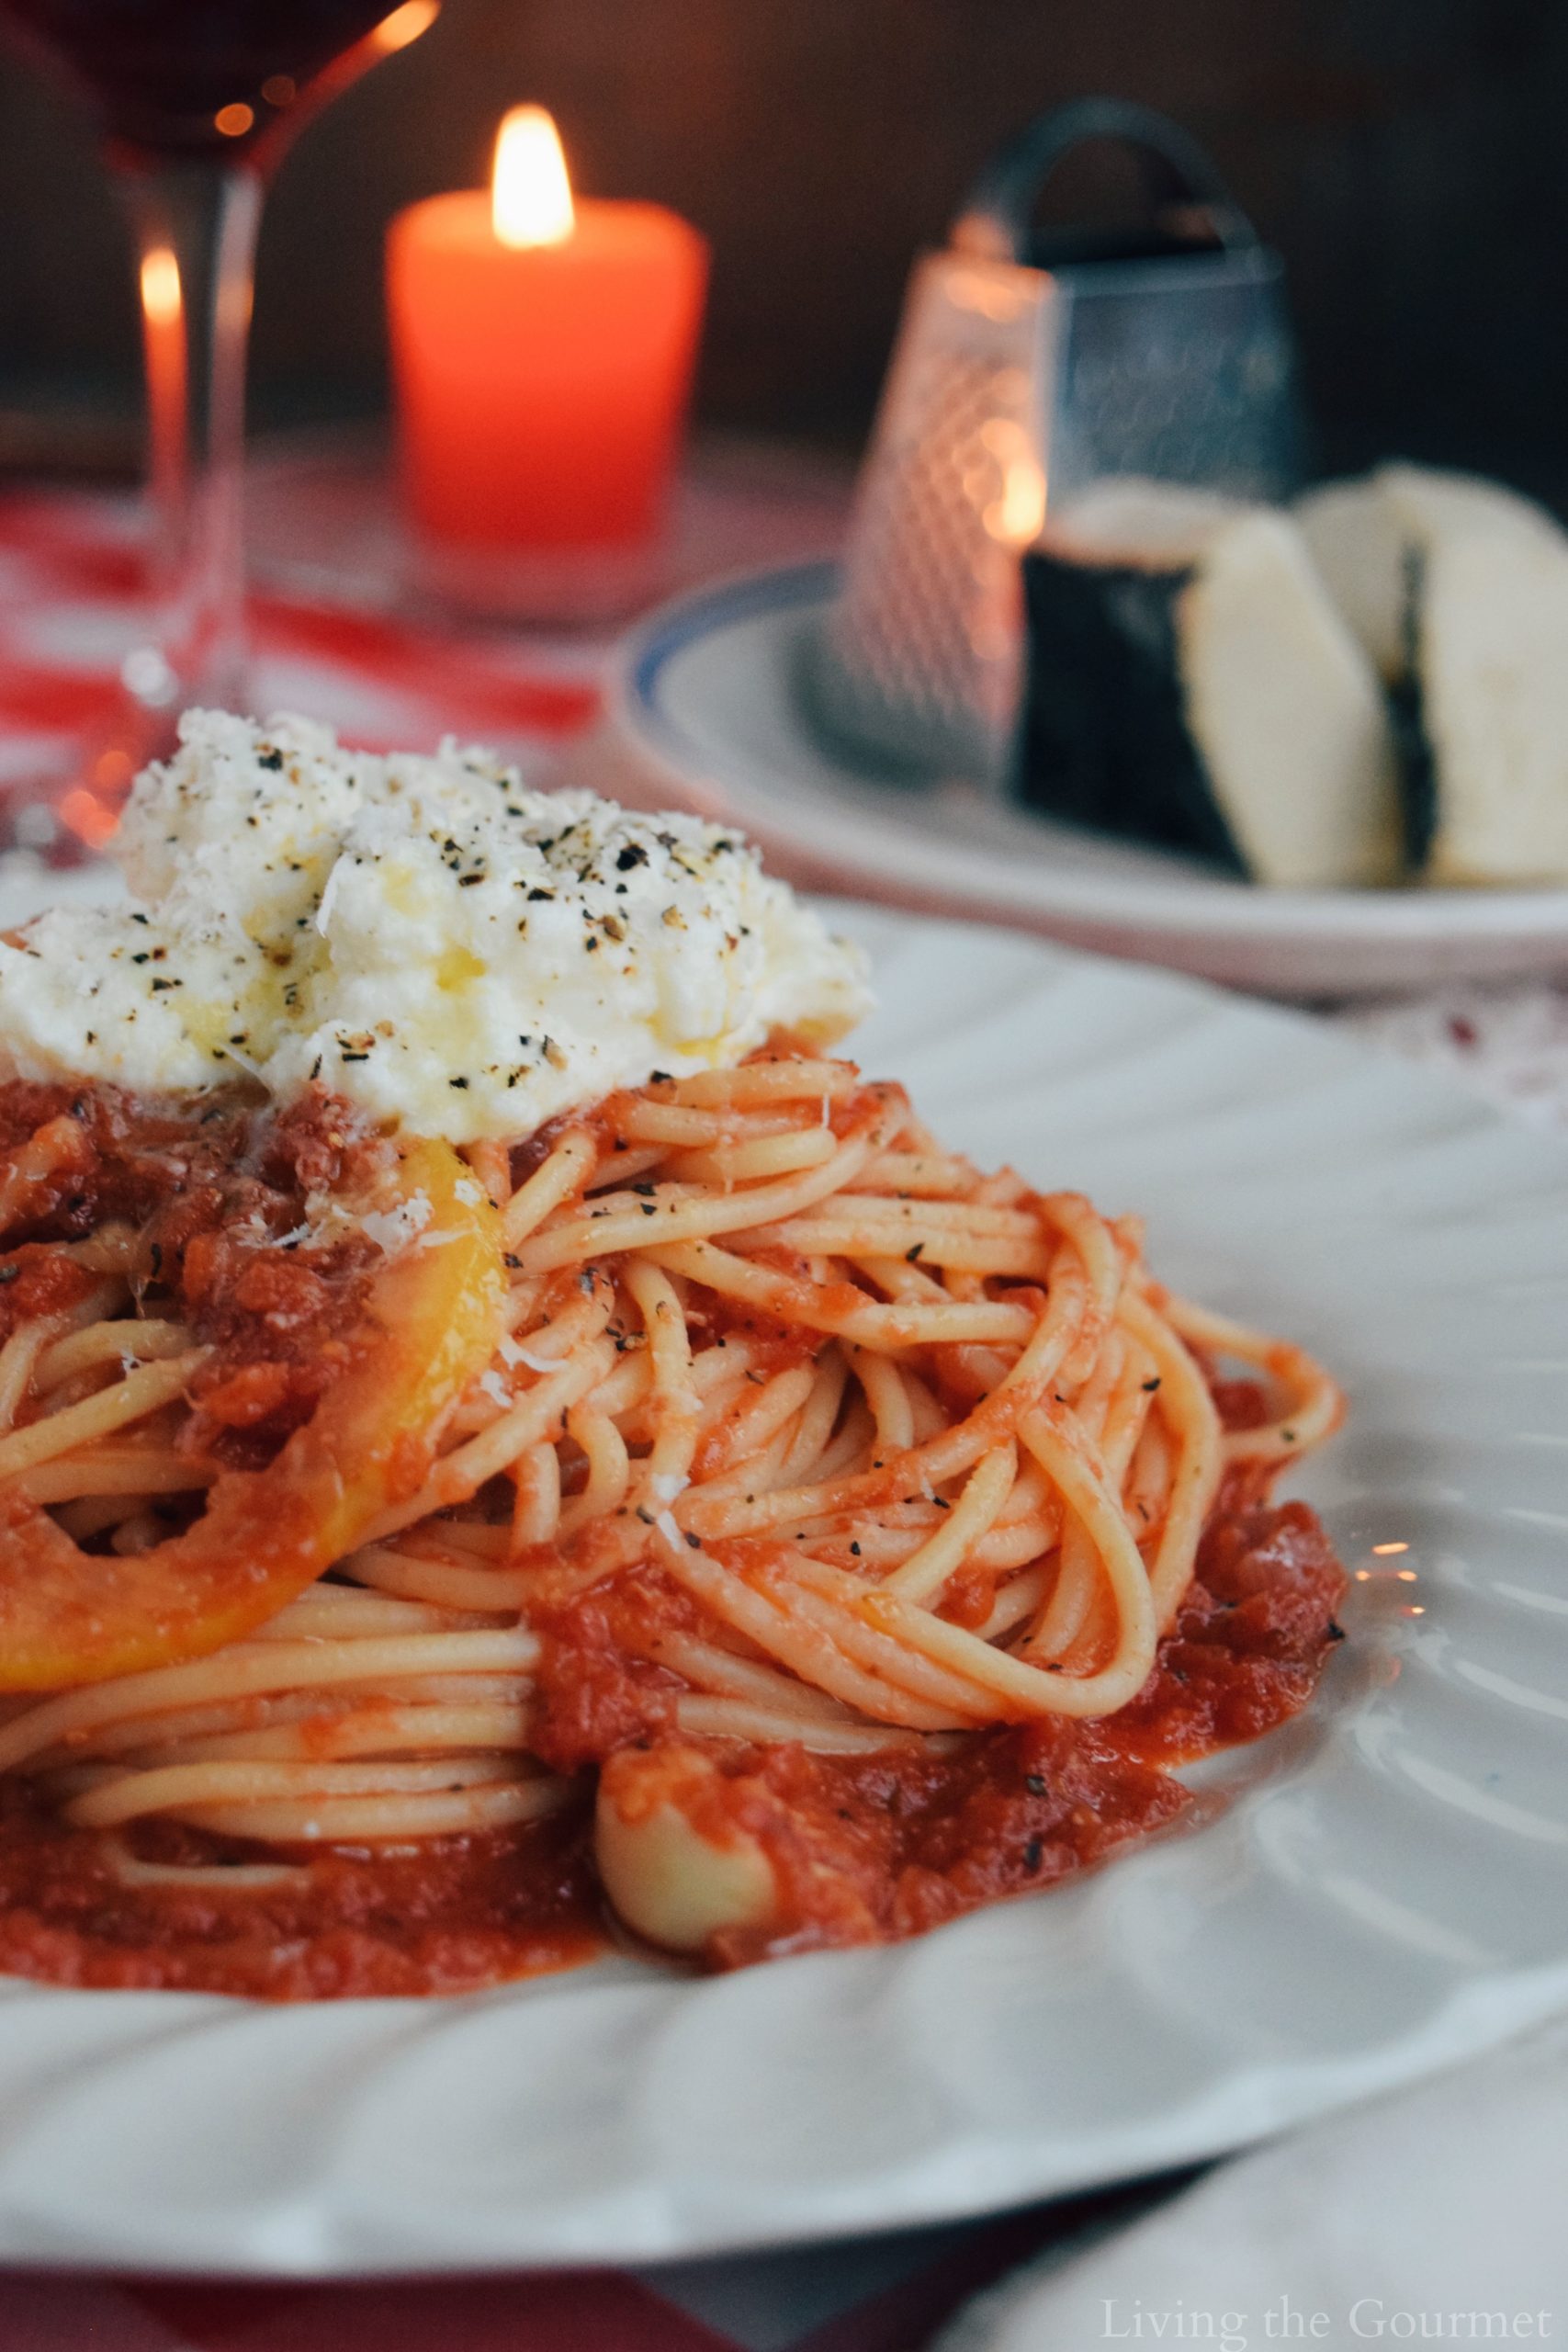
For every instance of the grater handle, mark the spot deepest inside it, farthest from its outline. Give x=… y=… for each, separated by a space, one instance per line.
x=995 y=219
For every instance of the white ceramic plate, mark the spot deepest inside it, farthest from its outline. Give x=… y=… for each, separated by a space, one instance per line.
x=705 y=710
x=1387 y=1888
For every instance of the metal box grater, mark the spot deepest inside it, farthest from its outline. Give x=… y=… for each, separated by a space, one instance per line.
x=1015 y=381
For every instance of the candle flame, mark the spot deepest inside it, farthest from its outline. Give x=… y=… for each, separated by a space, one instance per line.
x=530 y=193
x=160 y=297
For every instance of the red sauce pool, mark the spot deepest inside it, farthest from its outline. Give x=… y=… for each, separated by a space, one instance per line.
x=446 y=1918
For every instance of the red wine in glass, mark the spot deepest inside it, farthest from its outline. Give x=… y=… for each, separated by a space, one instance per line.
x=192 y=78
x=194 y=101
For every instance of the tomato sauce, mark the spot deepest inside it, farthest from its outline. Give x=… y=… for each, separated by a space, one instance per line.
x=869 y=1849
x=864 y=1848
x=446 y=1917
x=217 y=1196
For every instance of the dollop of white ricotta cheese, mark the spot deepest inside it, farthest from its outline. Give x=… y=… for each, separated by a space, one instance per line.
x=455 y=953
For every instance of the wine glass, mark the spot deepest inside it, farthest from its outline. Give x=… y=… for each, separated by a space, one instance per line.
x=194 y=101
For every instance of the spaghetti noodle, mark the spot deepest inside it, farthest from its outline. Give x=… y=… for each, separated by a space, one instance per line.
x=793 y=1461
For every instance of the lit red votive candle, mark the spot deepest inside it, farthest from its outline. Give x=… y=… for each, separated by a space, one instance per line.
x=543 y=353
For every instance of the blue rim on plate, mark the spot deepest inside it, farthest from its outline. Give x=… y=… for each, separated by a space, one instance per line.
x=659 y=640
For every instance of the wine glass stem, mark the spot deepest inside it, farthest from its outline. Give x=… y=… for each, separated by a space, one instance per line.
x=194 y=225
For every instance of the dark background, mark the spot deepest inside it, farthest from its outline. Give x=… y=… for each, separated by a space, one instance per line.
x=1410 y=157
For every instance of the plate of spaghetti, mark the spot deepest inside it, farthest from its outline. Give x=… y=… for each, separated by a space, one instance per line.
x=622 y=1634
